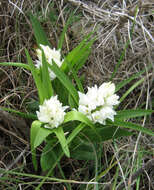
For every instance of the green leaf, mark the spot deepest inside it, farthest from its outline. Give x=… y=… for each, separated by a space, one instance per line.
x=81 y=148
x=41 y=135
x=75 y=132
x=82 y=151
x=76 y=54
x=78 y=116
x=75 y=115
x=65 y=81
x=61 y=137
x=36 y=78
x=106 y=133
x=50 y=156
x=22 y=65
x=37 y=136
x=71 y=102
x=76 y=78
x=61 y=91
x=83 y=55
x=34 y=129
x=39 y=33
x=132 y=126
x=46 y=78
x=126 y=114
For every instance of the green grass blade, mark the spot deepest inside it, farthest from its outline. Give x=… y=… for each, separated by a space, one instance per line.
x=39 y=33
x=139 y=165
x=78 y=82
x=126 y=114
x=103 y=173
x=115 y=178
x=50 y=153
x=131 y=89
x=21 y=114
x=81 y=56
x=22 y=65
x=3 y=171
x=132 y=126
x=65 y=81
x=126 y=81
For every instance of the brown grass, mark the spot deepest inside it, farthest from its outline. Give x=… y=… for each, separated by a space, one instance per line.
x=113 y=20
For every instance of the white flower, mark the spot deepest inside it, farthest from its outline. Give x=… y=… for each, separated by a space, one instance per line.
x=51 y=112
x=97 y=104
x=89 y=99
x=104 y=113
x=106 y=93
x=50 y=54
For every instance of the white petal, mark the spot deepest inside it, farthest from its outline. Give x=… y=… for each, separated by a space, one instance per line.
x=50 y=54
x=51 y=112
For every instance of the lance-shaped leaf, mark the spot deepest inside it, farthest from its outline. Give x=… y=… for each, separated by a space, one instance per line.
x=131 y=126
x=76 y=56
x=36 y=77
x=126 y=114
x=22 y=65
x=21 y=114
x=61 y=137
x=37 y=136
x=46 y=81
x=63 y=78
x=41 y=135
x=78 y=116
x=75 y=115
x=39 y=33
x=51 y=155
x=34 y=129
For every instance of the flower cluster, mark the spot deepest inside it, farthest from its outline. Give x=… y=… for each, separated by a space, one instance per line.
x=51 y=112
x=50 y=54
x=97 y=104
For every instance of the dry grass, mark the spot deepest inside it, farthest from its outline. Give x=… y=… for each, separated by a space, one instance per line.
x=113 y=20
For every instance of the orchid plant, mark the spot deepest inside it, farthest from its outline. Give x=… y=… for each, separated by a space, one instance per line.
x=66 y=108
